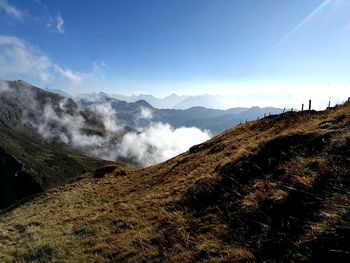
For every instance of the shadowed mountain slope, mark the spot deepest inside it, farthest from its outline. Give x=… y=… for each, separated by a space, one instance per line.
x=28 y=164
x=273 y=190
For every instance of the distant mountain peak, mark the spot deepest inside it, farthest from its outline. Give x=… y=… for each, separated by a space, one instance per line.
x=143 y=103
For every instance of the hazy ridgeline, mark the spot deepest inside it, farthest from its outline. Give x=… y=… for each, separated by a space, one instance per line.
x=96 y=130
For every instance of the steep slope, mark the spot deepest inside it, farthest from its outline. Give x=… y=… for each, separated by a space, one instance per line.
x=28 y=164
x=22 y=103
x=273 y=190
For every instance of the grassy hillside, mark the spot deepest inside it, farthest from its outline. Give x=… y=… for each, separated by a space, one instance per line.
x=51 y=164
x=36 y=166
x=272 y=190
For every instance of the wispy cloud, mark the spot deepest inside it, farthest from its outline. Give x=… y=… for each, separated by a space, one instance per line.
x=74 y=77
x=21 y=59
x=54 y=23
x=60 y=23
x=11 y=10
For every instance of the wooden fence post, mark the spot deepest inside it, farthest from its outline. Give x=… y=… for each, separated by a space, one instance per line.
x=329 y=104
x=309 y=105
x=302 y=107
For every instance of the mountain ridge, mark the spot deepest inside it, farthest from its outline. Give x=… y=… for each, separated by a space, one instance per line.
x=29 y=164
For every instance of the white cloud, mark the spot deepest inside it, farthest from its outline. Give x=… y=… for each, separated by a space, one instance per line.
x=143 y=146
x=74 y=77
x=3 y=86
x=54 y=23
x=11 y=10
x=158 y=143
x=145 y=113
x=108 y=116
x=59 y=23
x=20 y=59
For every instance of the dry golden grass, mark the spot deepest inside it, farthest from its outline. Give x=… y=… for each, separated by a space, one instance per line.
x=229 y=199
x=261 y=191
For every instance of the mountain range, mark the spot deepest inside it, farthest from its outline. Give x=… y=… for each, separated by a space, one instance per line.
x=213 y=120
x=172 y=101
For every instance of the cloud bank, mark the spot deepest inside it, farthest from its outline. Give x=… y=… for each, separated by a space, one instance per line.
x=158 y=143
x=145 y=146
x=96 y=131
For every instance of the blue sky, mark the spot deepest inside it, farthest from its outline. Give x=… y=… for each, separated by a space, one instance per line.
x=263 y=51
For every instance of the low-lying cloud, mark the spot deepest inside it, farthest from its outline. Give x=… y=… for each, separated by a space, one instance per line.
x=3 y=86
x=145 y=113
x=102 y=135
x=158 y=143
x=145 y=146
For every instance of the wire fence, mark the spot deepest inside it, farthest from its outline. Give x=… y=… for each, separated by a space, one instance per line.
x=309 y=109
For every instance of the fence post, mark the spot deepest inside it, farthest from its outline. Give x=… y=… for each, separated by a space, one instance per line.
x=329 y=104
x=309 y=105
x=284 y=109
x=302 y=107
